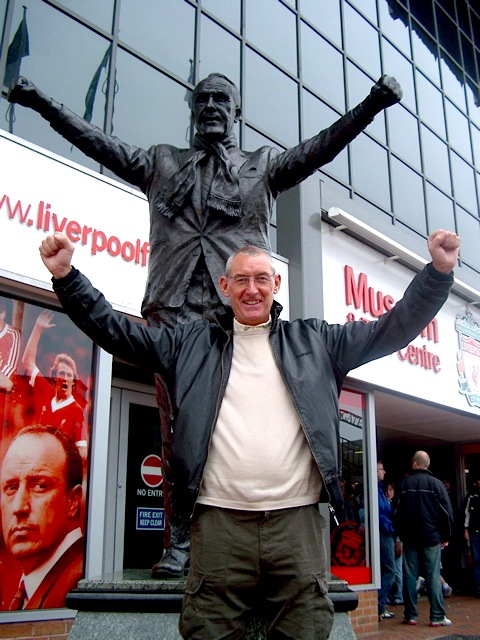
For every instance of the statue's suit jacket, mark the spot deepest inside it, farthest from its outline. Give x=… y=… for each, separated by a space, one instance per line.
x=177 y=242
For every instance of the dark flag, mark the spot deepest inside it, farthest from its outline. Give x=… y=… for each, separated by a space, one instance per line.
x=190 y=79
x=188 y=99
x=18 y=49
x=92 y=89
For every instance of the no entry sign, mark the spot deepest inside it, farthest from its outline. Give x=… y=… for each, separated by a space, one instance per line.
x=151 y=471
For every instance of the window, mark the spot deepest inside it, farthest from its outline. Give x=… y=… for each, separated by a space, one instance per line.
x=463 y=183
x=162 y=31
x=271 y=100
x=425 y=53
x=322 y=67
x=214 y=39
x=318 y=116
x=100 y=13
x=348 y=547
x=468 y=228
x=403 y=135
x=359 y=86
x=394 y=24
x=325 y=16
x=227 y=12
x=435 y=159
x=408 y=199
x=271 y=27
x=440 y=210
x=453 y=81
x=430 y=104
x=395 y=64
x=49 y=65
x=361 y=41
x=458 y=132
x=149 y=107
x=370 y=178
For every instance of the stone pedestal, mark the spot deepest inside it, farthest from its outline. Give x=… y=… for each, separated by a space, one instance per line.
x=132 y=605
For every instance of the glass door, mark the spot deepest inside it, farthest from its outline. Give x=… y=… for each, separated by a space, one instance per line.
x=139 y=513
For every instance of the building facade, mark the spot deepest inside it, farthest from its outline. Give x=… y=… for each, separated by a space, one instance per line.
x=348 y=239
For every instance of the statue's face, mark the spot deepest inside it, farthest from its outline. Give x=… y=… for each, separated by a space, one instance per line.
x=214 y=109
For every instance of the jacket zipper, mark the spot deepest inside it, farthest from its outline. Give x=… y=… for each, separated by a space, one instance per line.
x=221 y=393
x=277 y=361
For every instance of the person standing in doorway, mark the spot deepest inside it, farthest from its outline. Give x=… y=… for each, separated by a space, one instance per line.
x=424 y=522
x=472 y=531
x=387 y=546
x=395 y=595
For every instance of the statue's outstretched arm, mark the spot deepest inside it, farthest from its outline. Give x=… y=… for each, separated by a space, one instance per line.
x=130 y=163
x=295 y=164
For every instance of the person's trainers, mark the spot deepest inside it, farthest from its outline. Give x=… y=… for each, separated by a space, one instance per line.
x=420 y=583
x=386 y=615
x=441 y=623
x=411 y=621
x=447 y=590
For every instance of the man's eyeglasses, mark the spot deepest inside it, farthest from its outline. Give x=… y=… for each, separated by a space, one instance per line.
x=261 y=280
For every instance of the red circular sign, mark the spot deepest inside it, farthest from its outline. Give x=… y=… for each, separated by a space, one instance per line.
x=151 y=471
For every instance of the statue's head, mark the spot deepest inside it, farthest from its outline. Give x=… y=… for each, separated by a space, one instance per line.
x=216 y=106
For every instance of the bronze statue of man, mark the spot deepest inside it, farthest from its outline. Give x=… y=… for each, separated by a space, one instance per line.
x=205 y=203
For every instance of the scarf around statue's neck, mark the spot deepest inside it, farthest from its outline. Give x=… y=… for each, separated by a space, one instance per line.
x=224 y=195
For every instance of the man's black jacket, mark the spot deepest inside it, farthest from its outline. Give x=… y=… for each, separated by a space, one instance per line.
x=313 y=356
x=424 y=515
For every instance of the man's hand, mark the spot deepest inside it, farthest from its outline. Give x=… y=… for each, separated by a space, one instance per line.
x=444 y=247
x=44 y=320
x=56 y=252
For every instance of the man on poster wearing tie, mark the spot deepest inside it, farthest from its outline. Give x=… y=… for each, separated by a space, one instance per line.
x=40 y=498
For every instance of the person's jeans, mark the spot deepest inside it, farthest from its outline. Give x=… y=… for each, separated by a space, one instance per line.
x=429 y=558
x=397 y=586
x=387 y=568
x=475 y=547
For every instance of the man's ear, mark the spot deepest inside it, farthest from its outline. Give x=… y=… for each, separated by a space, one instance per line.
x=74 y=501
x=278 y=280
x=238 y=114
x=223 y=283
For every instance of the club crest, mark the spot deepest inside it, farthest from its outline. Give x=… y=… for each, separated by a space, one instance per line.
x=468 y=357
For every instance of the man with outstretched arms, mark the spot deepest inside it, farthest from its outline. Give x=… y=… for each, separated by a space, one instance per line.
x=255 y=435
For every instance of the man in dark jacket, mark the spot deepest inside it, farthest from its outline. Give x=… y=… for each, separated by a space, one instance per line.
x=472 y=531
x=205 y=203
x=256 y=434
x=423 y=521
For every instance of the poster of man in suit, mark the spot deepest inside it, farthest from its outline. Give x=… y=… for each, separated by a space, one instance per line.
x=45 y=429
